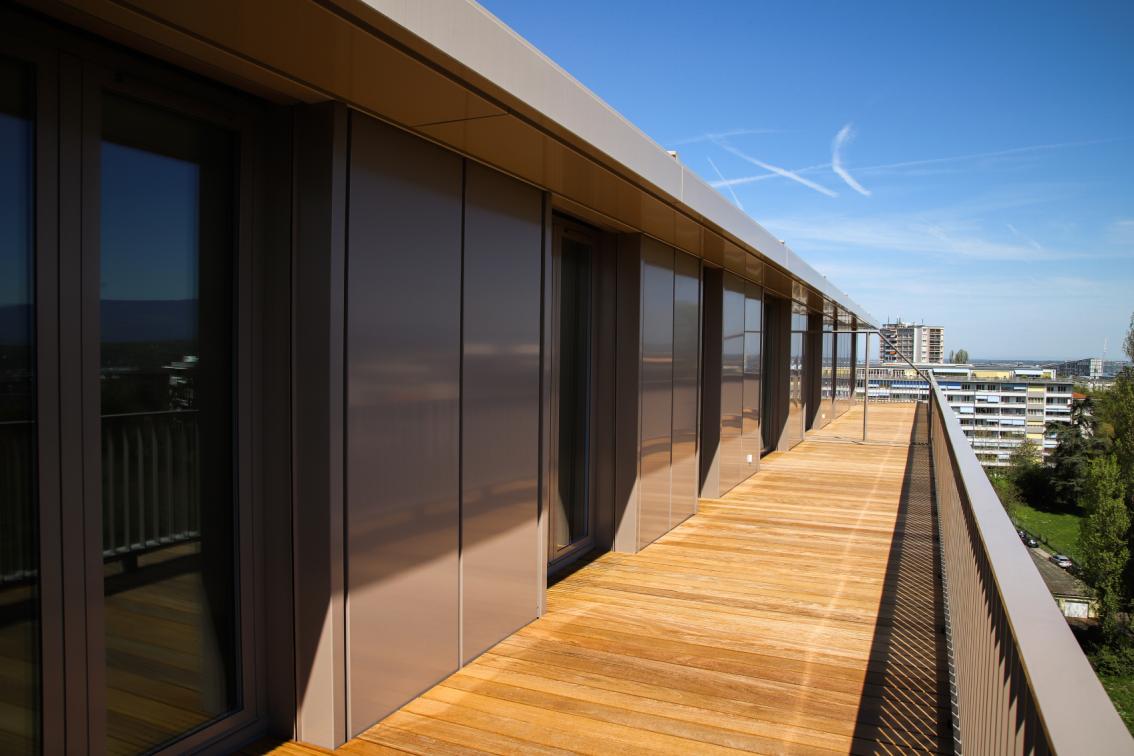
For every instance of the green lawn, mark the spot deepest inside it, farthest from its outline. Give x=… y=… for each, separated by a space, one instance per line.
x=1058 y=532
x=1121 y=690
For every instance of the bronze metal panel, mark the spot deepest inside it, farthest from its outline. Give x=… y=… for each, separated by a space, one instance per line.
x=712 y=247
x=775 y=280
x=686 y=372
x=754 y=268
x=319 y=260
x=403 y=419
x=656 y=390
x=627 y=405
x=735 y=259
x=500 y=410
x=687 y=234
x=732 y=383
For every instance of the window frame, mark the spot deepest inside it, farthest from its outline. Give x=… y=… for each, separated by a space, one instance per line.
x=71 y=72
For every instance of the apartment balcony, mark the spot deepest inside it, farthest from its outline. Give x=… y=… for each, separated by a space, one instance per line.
x=804 y=611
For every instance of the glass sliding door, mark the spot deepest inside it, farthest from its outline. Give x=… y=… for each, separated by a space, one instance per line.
x=167 y=220
x=826 y=409
x=753 y=364
x=797 y=377
x=733 y=469
x=19 y=510
x=570 y=525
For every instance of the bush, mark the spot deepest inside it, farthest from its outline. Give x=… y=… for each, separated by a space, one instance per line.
x=1113 y=660
x=1008 y=492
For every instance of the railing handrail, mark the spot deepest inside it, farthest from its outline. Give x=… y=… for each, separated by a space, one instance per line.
x=150 y=413
x=1074 y=710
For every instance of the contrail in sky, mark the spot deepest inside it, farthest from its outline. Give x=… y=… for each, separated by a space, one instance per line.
x=726 y=184
x=846 y=133
x=779 y=171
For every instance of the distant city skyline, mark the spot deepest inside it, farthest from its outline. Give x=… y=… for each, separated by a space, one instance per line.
x=969 y=165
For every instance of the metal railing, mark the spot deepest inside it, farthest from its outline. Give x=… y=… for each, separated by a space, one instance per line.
x=150 y=497
x=1020 y=682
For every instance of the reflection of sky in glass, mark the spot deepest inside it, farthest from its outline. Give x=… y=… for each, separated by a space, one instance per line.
x=15 y=210
x=149 y=225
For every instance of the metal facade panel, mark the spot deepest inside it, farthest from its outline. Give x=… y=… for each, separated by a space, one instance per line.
x=686 y=372
x=500 y=407
x=403 y=382
x=732 y=383
x=656 y=390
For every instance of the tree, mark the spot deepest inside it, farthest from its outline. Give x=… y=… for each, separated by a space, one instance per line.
x=1028 y=474
x=1008 y=493
x=1024 y=457
x=1114 y=408
x=1128 y=343
x=960 y=357
x=1077 y=445
x=1103 y=538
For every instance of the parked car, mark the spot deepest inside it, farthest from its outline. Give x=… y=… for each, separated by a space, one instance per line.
x=1061 y=561
x=1030 y=542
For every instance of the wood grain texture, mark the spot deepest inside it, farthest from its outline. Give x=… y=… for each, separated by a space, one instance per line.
x=801 y=613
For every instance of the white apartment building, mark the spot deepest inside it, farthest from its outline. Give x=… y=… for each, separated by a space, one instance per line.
x=923 y=344
x=998 y=407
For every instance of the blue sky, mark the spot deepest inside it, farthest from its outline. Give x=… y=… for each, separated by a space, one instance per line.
x=965 y=164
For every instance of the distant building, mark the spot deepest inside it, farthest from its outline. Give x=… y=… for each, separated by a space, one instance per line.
x=1088 y=367
x=998 y=407
x=923 y=344
x=1111 y=368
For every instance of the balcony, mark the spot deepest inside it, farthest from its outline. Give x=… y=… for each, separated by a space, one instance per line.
x=803 y=611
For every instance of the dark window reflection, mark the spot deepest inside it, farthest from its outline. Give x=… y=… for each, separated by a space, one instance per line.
x=828 y=386
x=569 y=510
x=19 y=563
x=169 y=523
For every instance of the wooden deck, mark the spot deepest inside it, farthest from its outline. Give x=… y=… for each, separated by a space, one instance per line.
x=801 y=613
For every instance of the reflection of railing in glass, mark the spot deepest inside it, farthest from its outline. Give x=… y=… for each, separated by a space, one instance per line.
x=17 y=525
x=149 y=496
x=150 y=474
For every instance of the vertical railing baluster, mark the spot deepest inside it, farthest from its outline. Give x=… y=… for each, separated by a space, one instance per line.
x=110 y=506
x=140 y=482
x=127 y=499
x=167 y=476
x=155 y=502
